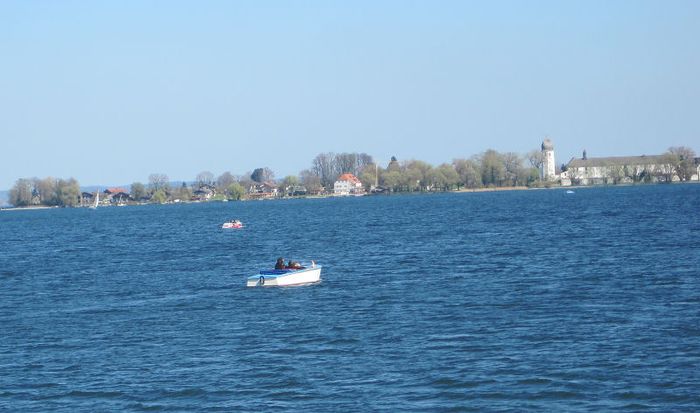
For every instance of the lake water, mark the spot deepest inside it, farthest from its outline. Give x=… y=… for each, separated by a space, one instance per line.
x=506 y=301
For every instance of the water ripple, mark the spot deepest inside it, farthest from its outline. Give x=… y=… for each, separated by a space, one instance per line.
x=508 y=302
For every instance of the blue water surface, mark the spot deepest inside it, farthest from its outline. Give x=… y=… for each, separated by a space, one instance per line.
x=506 y=301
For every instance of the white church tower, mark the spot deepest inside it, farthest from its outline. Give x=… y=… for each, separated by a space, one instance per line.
x=548 y=169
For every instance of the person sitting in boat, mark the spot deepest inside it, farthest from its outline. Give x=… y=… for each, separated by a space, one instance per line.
x=279 y=265
x=293 y=265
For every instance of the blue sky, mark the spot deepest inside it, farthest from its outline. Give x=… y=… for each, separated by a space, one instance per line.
x=110 y=92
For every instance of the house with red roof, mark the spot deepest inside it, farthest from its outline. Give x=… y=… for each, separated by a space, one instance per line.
x=116 y=196
x=348 y=184
x=113 y=191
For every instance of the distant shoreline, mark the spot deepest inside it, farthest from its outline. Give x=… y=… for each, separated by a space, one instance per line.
x=457 y=191
x=497 y=189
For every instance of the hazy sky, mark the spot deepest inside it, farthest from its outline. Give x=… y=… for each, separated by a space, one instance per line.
x=110 y=92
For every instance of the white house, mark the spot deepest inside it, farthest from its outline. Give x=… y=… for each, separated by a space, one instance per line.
x=348 y=184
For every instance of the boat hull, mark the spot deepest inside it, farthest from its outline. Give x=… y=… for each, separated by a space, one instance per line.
x=230 y=225
x=283 y=278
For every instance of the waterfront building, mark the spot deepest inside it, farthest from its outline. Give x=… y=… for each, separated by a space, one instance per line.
x=620 y=169
x=347 y=184
x=262 y=190
x=205 y=192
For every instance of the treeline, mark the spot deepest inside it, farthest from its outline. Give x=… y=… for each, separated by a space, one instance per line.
x=48 y=191
x=488 y=169
x=226 y=186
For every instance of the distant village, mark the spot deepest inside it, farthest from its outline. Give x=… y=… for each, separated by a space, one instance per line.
x=357 y=174
x=678 y=164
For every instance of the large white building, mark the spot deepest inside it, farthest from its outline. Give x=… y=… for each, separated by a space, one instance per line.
x=622 y=169
x=348 y=184
x=614 y=169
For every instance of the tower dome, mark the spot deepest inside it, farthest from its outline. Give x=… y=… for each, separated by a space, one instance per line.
x=547 y=145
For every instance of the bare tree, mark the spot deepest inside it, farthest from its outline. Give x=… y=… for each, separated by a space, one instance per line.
x=666 y=168
x=684 y=165
x=310 y=180
x=345 y=163
x=615 y=173
x=157 y=182
x=513 y=165
x=225 y=180
x=204 y=178
x=535 y=158
x=323 y=166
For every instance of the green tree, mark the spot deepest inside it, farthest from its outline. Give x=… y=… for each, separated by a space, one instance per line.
x=393 y=165
x=532 y=176
x=444 y=177
x=46 y=190
x=138 y=191
x=369 y=176
x=183 y=193
x=21 y=193
x=410 y=179
x=67 y=192
x=235 y=191
x=492 y=168
x=468 y=171
x=159 y=196
x=392 y=179
x=288 y=183
x=417 y=174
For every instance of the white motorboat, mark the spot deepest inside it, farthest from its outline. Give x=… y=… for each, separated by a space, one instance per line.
x=286 y=277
